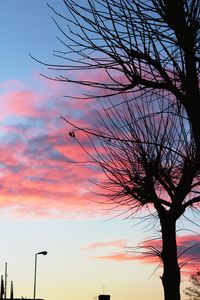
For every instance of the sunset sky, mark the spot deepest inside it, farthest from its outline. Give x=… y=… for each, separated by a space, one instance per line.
x=45 y=203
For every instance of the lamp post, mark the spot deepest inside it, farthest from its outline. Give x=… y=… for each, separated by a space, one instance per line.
x=43 y=253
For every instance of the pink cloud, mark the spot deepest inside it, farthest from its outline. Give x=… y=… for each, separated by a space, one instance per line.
x=148 y=252
x=119 y=257
x=36 y=178
x=117 y=243
x=20 y=103
x=35 y=150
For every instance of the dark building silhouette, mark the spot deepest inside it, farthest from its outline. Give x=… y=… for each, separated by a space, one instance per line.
x=104 y=297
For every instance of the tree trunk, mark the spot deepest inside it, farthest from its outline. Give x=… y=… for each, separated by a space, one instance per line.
x=171 y=271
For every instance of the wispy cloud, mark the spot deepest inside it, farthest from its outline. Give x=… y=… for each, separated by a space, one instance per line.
x=121 y=243
x=188 y=251
x=119 y=257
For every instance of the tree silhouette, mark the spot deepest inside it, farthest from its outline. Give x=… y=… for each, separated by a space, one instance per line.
x=148 y=156
x=147 y=51
x=193 y=291
x=150 y=46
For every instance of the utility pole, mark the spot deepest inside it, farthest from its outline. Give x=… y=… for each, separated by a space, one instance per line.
x=6 y=275
x=11 y=291
x=2 y=288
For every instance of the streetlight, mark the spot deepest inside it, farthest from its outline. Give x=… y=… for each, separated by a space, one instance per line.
x=43 y=253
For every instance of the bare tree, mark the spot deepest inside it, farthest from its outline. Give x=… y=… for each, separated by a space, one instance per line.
x=144 y=50
x=193 y=291
x=150 y=45
x=147 y=150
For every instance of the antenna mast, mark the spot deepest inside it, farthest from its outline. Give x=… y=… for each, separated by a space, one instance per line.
x=6 y=275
